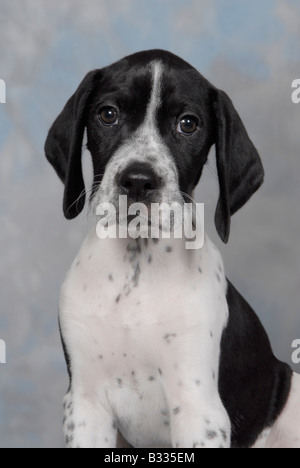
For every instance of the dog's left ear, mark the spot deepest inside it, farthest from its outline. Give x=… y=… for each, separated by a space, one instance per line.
x=239 y=166
x=63 y=146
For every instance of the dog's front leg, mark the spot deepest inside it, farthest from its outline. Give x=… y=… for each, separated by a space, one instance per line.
x=197 y=416
x=87 y=424
x=199 y=423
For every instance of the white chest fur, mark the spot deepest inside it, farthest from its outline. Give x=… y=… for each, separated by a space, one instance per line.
x=142 y=323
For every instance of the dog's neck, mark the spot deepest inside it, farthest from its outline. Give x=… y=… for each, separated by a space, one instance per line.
x=134 y=252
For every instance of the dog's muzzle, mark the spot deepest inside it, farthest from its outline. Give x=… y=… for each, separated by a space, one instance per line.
x=139 y=182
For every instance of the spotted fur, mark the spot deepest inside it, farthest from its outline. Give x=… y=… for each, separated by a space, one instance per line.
x=160 y=346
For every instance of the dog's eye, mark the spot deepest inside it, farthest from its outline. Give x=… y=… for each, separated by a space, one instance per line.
x=108 y=116
x=187 y=125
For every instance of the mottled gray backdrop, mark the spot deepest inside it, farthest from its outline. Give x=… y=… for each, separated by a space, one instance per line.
x=250 y=49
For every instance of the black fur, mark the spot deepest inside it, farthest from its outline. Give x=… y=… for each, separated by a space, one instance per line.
x=253 y=384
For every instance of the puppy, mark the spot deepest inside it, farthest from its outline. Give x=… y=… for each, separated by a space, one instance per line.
x=160 y=346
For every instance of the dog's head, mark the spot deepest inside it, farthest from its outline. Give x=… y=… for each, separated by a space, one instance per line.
x=151 y=120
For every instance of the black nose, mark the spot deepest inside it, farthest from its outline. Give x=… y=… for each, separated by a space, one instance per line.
x=138 y=181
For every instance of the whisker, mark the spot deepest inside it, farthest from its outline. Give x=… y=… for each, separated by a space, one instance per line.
x=189 y=197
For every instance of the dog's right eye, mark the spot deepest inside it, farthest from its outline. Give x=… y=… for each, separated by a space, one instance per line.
x=108 y=116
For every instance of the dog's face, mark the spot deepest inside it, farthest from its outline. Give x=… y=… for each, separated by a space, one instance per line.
x=151 y=120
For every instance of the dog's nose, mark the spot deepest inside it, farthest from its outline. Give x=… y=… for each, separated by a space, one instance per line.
x=138 y=181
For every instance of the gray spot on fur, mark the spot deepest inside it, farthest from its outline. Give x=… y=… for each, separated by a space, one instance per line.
x=150 y=258
x=152 y=159
x=69 y=439
x=198 y=382
x=218 y=277
x=118 y=299
x=159 y=371
x=110 y=277
x=151 y=379
x=200 y=270
x=168 y=337
x=136 y=275
x=168 y=249
x=176 y=410
x=224 y=435
x=71 y=427
x=119 y=382
x=211 y=435
x=134 y=248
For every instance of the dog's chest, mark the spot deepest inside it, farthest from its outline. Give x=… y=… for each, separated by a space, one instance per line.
x=133 y=314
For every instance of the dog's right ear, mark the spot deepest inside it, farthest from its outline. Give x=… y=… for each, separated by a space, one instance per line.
x=63 y=146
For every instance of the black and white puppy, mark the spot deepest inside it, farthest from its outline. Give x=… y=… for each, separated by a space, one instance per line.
x=159 y=344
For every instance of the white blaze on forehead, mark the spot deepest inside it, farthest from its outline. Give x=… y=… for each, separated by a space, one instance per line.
x=155 y=100
x=145 y=141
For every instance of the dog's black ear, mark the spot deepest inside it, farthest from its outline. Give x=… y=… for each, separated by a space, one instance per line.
x=239 y=166
x=63 y=146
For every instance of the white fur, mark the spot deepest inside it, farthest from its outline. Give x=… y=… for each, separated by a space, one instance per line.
x=156 y=349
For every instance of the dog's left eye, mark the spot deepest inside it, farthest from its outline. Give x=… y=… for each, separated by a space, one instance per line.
x=187 y=125
x=109 y=116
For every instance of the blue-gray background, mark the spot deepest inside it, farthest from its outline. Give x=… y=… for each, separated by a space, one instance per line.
x=250 y=48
